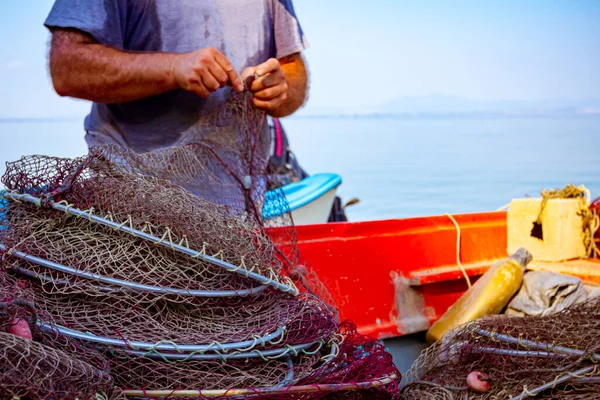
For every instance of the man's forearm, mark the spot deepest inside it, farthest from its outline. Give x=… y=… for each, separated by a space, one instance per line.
x=297 y=78
x=82 y=68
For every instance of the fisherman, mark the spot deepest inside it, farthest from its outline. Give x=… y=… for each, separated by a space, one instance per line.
x=154 y=69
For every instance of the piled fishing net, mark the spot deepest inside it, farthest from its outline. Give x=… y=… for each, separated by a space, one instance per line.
x=549 y=357
x=162 y=263
x=38 y=364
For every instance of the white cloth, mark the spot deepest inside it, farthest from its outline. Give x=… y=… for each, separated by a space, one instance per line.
x=544 y=293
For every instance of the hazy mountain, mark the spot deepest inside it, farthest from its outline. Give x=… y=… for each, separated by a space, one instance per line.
x=447 y=104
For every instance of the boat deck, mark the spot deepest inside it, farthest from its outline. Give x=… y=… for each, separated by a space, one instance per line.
x=394 y=278
x=406 y=349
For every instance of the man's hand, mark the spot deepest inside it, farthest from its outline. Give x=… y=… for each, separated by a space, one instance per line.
x=205 y=71
x=83 y=68
x=270 y=89
x=281 y=86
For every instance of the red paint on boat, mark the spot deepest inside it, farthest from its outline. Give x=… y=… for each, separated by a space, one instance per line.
x=395 y=277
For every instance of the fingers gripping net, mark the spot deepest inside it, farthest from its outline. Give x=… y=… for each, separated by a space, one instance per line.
x=553 y=356
x=162 y=262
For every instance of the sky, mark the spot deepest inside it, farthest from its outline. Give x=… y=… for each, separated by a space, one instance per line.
x=368 y=53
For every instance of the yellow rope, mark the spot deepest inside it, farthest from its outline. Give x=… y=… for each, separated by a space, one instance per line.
x=462 y=268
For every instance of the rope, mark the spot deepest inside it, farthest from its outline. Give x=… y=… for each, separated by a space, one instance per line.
x=504 y=207
x=462 y=268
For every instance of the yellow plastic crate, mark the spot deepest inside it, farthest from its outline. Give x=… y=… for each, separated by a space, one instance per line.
x=561 y=228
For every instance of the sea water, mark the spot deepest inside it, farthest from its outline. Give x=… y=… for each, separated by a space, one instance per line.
x=402 y=167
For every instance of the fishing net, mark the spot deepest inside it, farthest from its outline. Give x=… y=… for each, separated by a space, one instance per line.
x=163 y=264
x=44 y=365
x=549 y=357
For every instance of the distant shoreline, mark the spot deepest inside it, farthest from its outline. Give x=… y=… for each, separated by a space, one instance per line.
x=439 y=116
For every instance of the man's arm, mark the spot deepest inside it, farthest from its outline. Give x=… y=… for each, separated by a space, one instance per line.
x=282 y=86
x=83 y=68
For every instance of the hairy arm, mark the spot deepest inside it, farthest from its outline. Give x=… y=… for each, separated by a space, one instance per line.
x=83 y=68
x=297 y=78
x=282 y=86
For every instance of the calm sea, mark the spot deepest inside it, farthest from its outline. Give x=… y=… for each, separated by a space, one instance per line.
x=404 y=167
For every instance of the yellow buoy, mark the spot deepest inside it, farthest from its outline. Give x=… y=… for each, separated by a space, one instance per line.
x=489 y=295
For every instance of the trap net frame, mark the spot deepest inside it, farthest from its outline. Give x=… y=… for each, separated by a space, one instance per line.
x=549 y=356
x=116 y=196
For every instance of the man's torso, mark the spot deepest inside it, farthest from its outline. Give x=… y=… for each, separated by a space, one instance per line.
x=241 y=30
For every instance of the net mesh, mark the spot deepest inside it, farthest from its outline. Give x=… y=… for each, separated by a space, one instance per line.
x=44 y=365
x=129 y=196
x=502 y=357
x=162 y=263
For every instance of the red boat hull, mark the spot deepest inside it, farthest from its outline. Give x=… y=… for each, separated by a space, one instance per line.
x=395 y=277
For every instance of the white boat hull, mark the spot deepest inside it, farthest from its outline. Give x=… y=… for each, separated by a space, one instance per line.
x=315 y=212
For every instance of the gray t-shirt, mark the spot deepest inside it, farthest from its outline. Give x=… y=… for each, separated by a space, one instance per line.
x=247 y=32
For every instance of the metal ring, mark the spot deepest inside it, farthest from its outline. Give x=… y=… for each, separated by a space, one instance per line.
x=271 y=353
x=185 y=348
x=103 y=221
x=130 y=285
